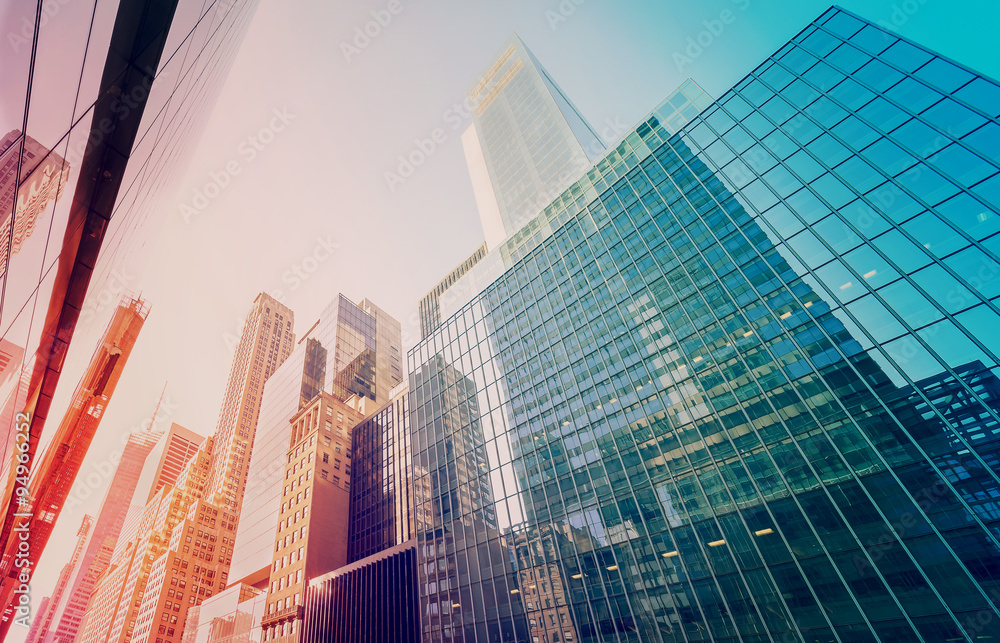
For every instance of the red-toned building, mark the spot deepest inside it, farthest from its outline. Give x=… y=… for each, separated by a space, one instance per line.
x=53 y=474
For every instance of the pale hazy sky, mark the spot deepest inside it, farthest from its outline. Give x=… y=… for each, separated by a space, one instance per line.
x=310 y=213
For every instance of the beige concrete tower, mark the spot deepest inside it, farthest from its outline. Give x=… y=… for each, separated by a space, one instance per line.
x=266 y=341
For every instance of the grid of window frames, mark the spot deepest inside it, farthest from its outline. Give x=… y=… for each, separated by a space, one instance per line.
x=381 y=489
x=727 y=402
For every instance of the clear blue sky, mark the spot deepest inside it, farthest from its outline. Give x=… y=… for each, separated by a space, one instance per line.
x=310 y=214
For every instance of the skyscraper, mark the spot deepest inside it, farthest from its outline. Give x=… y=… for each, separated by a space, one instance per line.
x=266 y=341
x=381 y=514
x=68 y=613
x=52 y=477
x=46 y=615
x=527 y=143
x=43 y=176
x=745 y=387
x=388 y=351
x=339 y=354
x=530 y=141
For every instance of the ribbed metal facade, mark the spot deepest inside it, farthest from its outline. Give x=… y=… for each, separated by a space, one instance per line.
x=373 y=601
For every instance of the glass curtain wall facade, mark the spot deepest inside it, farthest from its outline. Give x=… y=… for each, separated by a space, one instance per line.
x=381 y=514
x=532 y=139
x=746 y=388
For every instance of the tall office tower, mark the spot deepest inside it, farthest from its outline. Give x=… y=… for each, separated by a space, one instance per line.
x=381 y=515
x=753 y=393
x=430 y=307
x=530 y=142
x=266 y=341
x=388 y=351
x=311 y=534
x=43 y=176
x=373 y=597
x=108 y=527
x=338 y=355
x=53 y=474
x=46 y=615
x=13 y=389
x=113 y=613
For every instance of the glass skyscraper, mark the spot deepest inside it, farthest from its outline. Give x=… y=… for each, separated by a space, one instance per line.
x=739 y=381
x=527 y=141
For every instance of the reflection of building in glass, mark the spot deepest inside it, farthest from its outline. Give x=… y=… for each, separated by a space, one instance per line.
x=341 y=353
x=43 y=177
x=45 y=616
x=123 y=156
x=53 y=474
x=466 y=568
x=14 y=375
x=541 y=586
x=230 y=617
x=746 y=368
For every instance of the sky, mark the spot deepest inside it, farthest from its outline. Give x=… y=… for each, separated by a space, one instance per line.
x=287 y=192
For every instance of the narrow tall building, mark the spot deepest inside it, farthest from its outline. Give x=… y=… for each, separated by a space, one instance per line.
x=53 y=474
x=267 y=339
x=47 y=615
x=312 y=532
x=527 y=142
